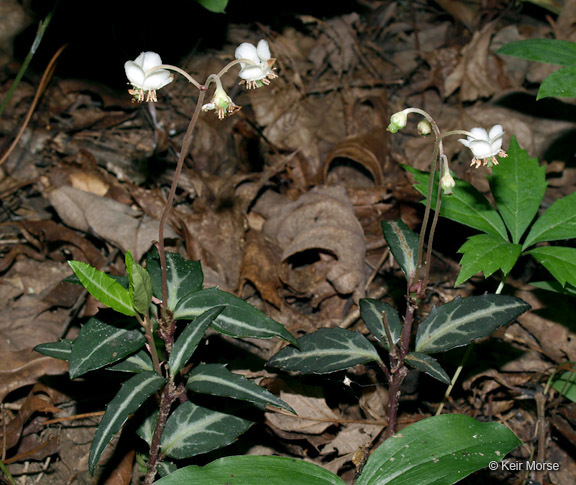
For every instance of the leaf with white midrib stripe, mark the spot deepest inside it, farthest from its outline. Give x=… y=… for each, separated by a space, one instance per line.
x=326 y=350
x=238 y=319
x=59 y=350
x=128 y=400
x=100 y=344
x=462 y=320
x=189 y=339
x=215 y=379
x=183 y=276
x=403 y=243
x=192 y=430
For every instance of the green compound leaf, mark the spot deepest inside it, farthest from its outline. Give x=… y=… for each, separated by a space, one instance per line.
x=555 y=287
x=487 y=253
x=427 y=364
x=140 y=285
x=462 y=320
x=100 y=344
x=269 y=470
x=104 y=288
x=403 y=243
x=183 y=276
x=559 y=84
x=189 y=339
x=560 y=261
x=131 y=396
x=466 y=205
x=238 y=319
x=550 y=51
x=557 y=223
x=441 y=450
x=326 y=350
x=565 y=384
x=518 y=184
x=217 y=380
x=59 y=350
x=371 y=312
x=216 y=6
x=192 y=430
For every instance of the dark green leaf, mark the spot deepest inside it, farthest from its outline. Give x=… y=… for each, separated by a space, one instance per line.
x=560 y=261
x=427 y=364
x=462 y=320
x=326 y=350
x=371 y=312
x=487 y=253
x=559 y=84
x=253 y=470
x=557 y=223
x=59 y=350
x=192 y=430
x=518 y=184
x=215 y=379
x=550 y=51
x=100 y=344
x=184 y=276
x=238 y=319
x=104 y=288
x=189 y=339
x=466 y=205
x=439 y=450
x=128 y=400
x=138 y=362
x=403 y=243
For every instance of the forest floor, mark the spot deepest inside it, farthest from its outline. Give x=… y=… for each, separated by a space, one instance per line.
x=88 y=178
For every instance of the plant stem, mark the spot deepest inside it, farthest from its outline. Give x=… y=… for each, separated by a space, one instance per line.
x=166 y=400
x=166 y=324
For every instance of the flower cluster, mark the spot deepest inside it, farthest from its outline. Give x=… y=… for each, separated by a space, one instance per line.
x=147 y=74
x=485 y=145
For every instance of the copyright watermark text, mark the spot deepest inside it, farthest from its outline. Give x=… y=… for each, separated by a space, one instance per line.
x=510 y=465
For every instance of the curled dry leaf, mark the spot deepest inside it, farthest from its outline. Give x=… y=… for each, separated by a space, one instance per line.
x=108 y=219
x=322 y=242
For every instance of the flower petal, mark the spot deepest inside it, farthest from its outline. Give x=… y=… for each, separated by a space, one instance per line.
x=495 y=132
x=150 y=60
x=247 y=51
x=157 y=79
x=252 y=73
x=478 y=134
x=135 y=74
x=482 y=149
x=464 y=142
x=263 y=50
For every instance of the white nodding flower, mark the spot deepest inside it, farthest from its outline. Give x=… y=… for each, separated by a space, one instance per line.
x=258 y=72
x=485 y=145
x=146 y=83
x=222 y=104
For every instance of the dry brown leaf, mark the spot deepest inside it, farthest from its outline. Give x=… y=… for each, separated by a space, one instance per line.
x=122 y=473
x=476 y=74
x=308 y=402
x=22 y=368
x=322 y=222
x=41 y=399
x=112 y=221
x=259 y=267
x=352 y=437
